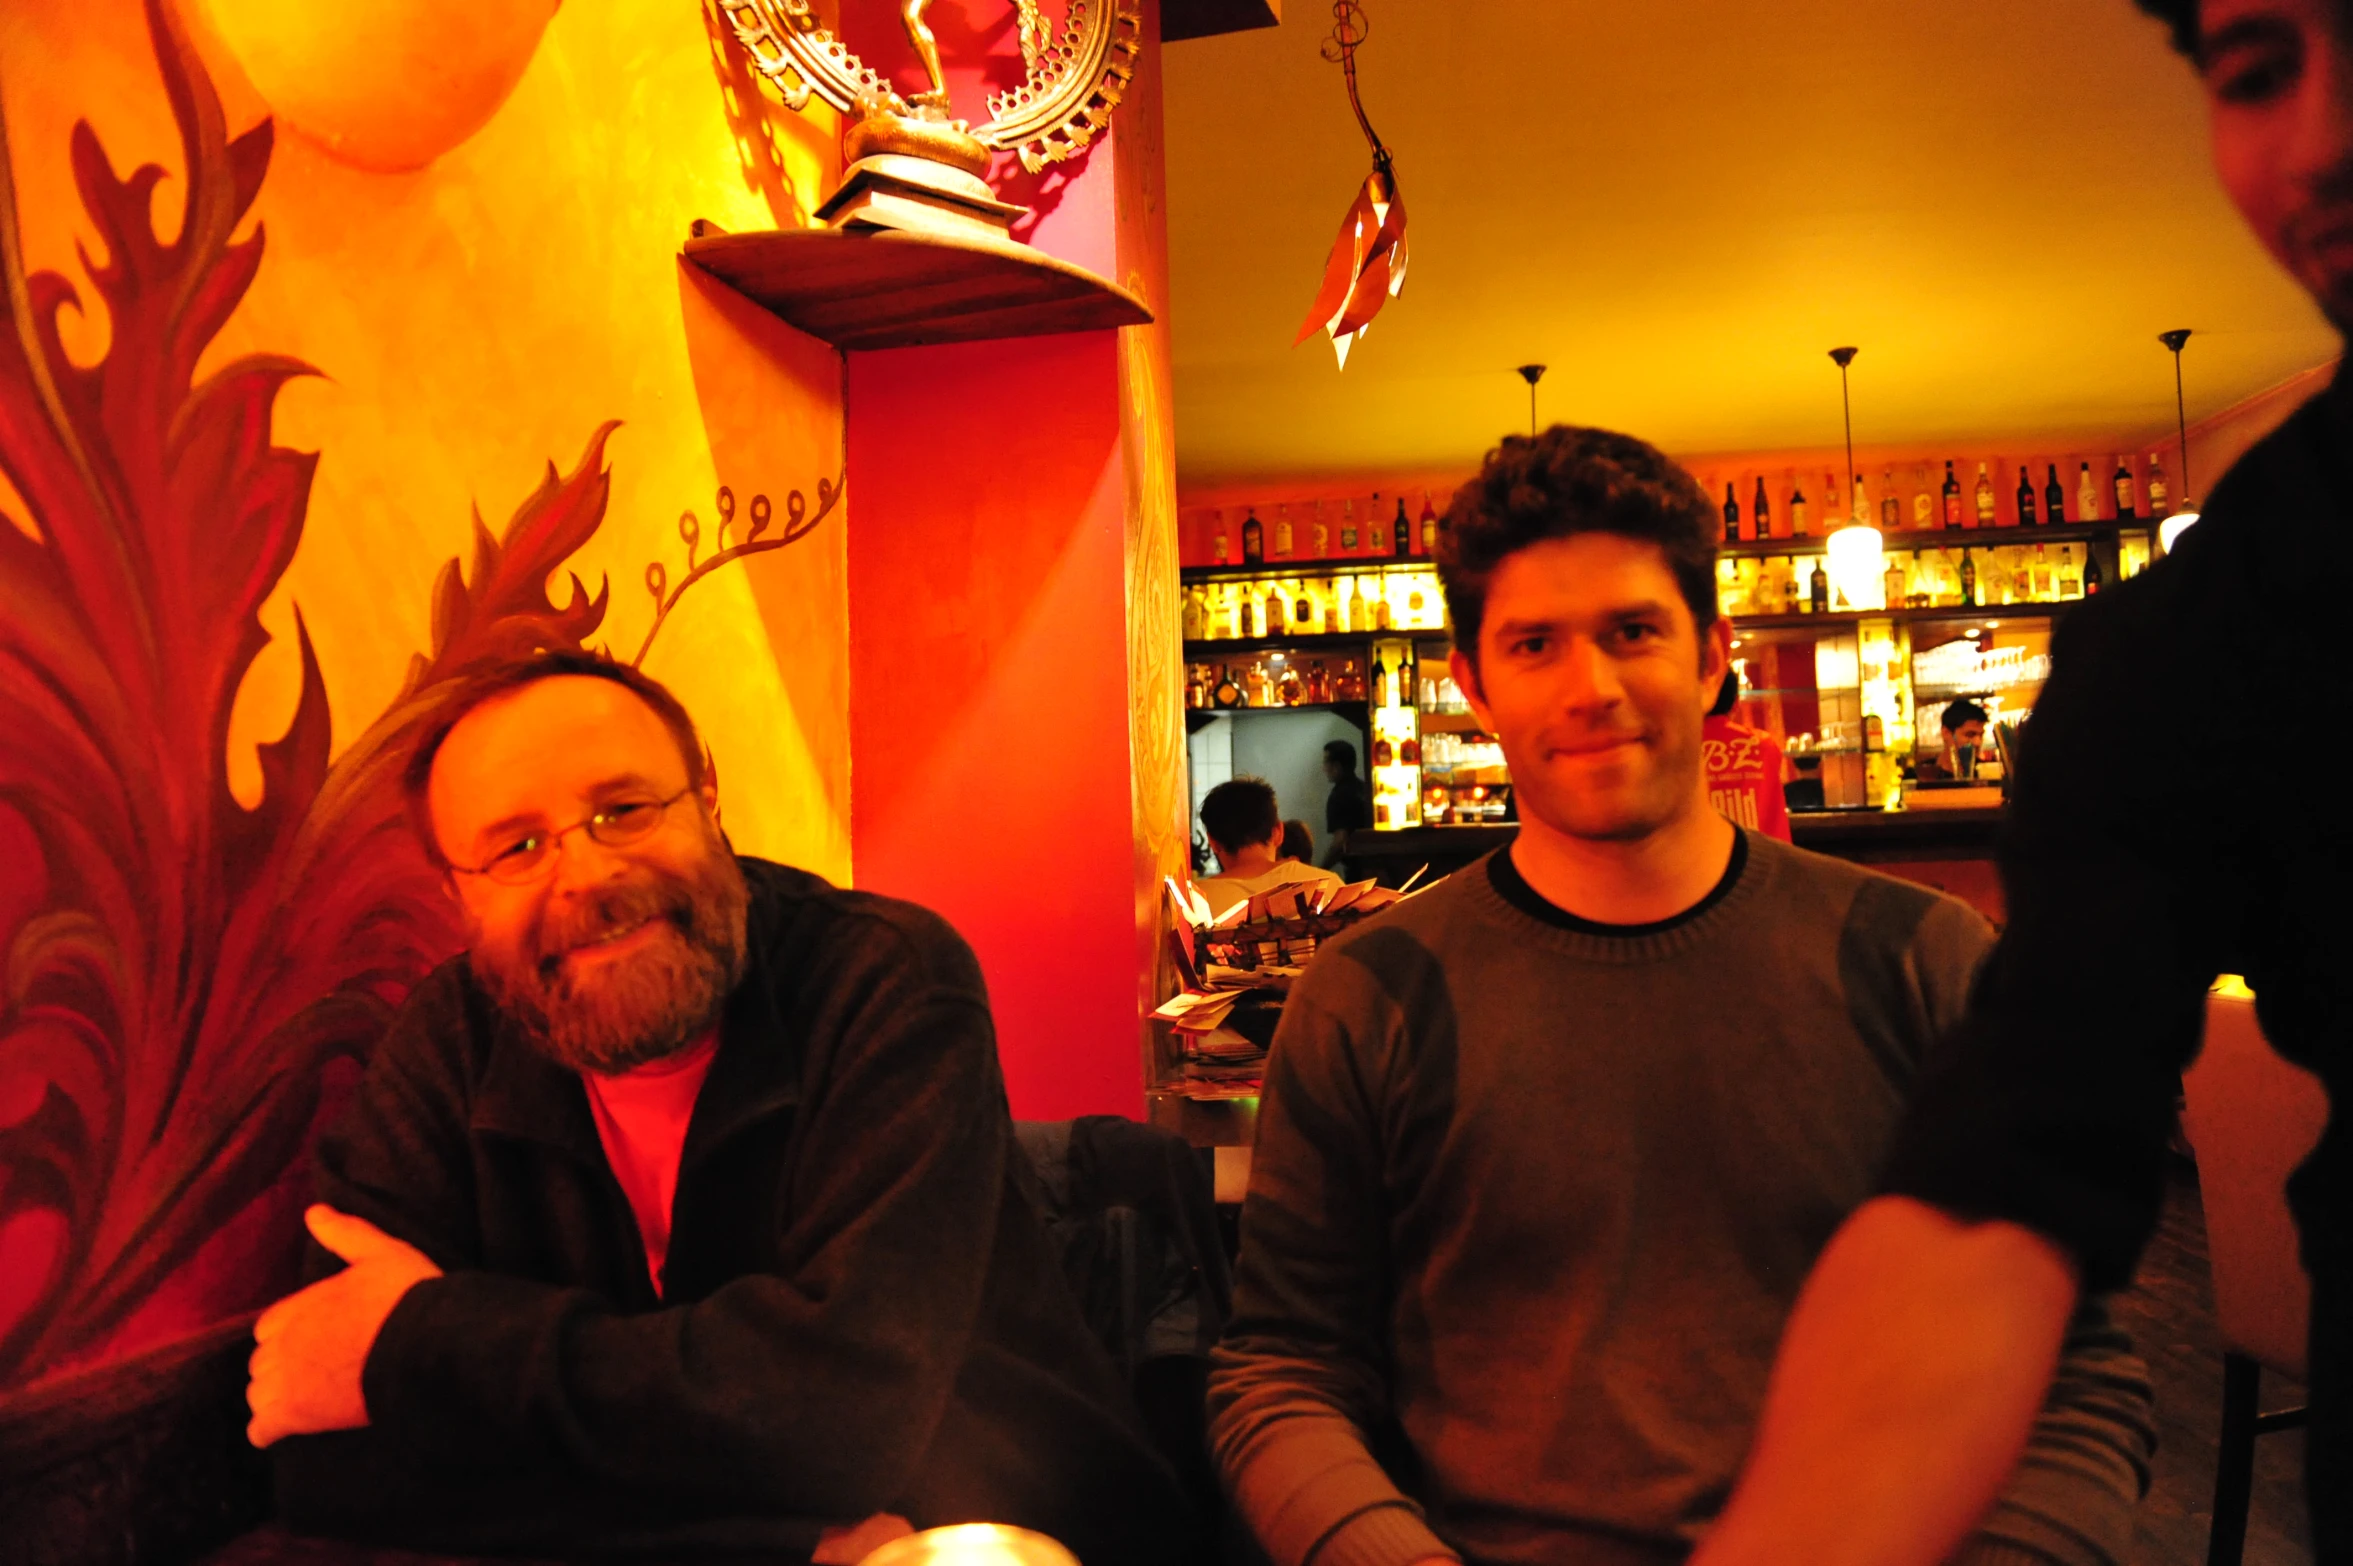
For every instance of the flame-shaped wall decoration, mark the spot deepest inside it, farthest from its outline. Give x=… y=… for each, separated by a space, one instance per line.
x=1367 y=266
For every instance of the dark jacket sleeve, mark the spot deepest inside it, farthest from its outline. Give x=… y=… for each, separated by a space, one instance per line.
x=1298 y=1386
x=808 y=1391
x=2121 y=875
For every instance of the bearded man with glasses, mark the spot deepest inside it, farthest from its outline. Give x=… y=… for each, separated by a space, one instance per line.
x=682 y=1212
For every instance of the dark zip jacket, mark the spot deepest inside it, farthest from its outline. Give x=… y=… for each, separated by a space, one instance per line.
x=860 y=1309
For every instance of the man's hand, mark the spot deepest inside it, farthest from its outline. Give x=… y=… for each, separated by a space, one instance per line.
x=849 y=1546
x=310 y=1347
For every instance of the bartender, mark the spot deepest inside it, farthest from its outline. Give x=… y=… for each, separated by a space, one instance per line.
x=1964 y=730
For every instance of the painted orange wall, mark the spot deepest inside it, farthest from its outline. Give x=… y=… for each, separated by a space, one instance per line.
x=472 y=321
x=476 y=319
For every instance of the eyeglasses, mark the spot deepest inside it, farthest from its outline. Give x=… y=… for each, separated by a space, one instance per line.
x=616 y=825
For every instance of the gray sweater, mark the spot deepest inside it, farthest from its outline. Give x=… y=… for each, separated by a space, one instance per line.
x=1531 y=1203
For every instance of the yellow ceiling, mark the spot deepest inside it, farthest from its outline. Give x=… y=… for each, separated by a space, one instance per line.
x=1679 y=205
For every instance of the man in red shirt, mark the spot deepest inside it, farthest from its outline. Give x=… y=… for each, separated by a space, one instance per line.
x=1745 y=768
x=683 y=1212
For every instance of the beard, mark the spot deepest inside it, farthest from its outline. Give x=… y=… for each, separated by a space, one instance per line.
x=628 y=1011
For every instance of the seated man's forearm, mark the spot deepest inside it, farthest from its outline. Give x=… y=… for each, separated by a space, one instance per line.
x=1907 y=1383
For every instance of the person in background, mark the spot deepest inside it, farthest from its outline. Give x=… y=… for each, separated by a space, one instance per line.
x=1347 y=808
x=1745 y=767
x=1544 y=1151
x=1298 y=844
x=683 y=1212
x=1245 y=826
x=1963 y=724
x=2032 y=1168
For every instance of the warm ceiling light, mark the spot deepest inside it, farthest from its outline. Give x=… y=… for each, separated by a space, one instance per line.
x=2187 y=512
x=1857 y=556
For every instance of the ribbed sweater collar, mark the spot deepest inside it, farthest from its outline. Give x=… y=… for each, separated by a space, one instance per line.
x=1746 y=877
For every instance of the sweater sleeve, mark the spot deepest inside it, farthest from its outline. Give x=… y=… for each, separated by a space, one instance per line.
x=2086 y=1463
x=1297 y=1384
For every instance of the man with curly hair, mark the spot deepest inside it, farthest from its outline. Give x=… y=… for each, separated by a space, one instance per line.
x=1544 y=1153
x=2033 y=1169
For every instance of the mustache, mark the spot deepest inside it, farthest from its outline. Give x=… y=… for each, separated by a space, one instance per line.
x=613 y=910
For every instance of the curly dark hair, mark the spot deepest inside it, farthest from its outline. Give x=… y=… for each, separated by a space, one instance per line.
x=2179 y=15
x=1566 y=481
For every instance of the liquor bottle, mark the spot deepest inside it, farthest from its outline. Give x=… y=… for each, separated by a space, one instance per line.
x=2054 y=498
x=2093 y=577
x=1789 y=603
x=1821 y=588
x=1429 y=527
x=1253 y=539
x=1731 y=515
x=2087 y=495
x=1760 y=512
x=1348 y=527
x=1923 y=503
x=1952 y=496
x=1343 y=619
x=1277 y=613
x=2125 y=510
x=2160 y=498
x=1893 y=586
x=1221 y=549
x=1891 y=507
x=1382 y=613
x=1860 y=514
x=1227 y=692
x=1321 y=534
x=1283 y=532
x=1799 y=526
x=1304 y=620
x=1376 y=536
x=2069 y=587
x=1985 y=498
x=1378 y=694
x=1401 y=532
x=2025 y=498
x=2043 y=590
x=1968 y=579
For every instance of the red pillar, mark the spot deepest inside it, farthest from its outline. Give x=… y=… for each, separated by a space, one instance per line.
x=1013 y=647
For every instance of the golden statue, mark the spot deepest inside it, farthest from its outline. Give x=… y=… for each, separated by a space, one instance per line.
x=927 y=47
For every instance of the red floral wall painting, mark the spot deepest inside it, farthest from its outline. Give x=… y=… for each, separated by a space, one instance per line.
x=178 y=970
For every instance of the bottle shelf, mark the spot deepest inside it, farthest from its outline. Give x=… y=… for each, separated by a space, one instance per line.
x=1357 y=642
x=1278 y=570
x=1357 y=710
x=1912 y=540
x=1850 y=617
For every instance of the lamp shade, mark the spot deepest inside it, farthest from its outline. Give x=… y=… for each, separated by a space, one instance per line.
x=389 y=85
x=1857 y=566
x=2170 y=530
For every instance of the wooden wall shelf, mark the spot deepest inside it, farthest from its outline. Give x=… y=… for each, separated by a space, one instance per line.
x=887 y=288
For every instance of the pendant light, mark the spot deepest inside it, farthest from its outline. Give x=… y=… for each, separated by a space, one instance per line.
x=2171 y=529
x=1531 y=373
x=1857 y=564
